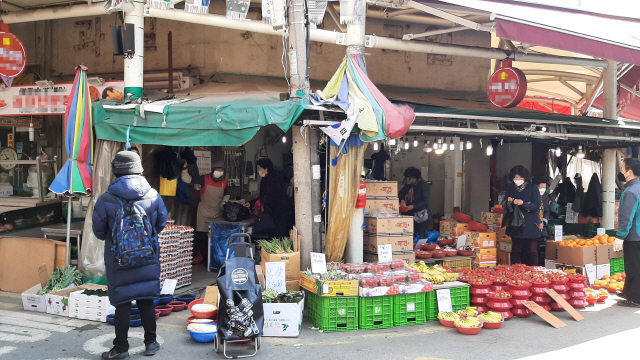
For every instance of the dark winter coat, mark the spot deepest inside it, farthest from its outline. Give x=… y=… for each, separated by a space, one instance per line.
x=592 y=203
x=532 y=200
x=273 y=195
x=421 y=195
x=546 y=203
x=138 y=283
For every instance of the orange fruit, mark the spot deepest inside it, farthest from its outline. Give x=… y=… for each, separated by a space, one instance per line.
x=588 y=243
x=581 y=242
x=611 y=240
x=605 y=277
x=624 y=275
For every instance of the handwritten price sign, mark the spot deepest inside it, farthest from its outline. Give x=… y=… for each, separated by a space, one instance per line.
x=275 y=277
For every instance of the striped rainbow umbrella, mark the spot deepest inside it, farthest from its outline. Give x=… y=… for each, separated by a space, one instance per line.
x=74 y=179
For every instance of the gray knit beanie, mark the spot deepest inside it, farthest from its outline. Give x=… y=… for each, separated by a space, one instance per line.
x=126 y=163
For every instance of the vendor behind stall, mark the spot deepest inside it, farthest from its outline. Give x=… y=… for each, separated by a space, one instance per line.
x=273 y=200
x=212 y=198
x=414 y=200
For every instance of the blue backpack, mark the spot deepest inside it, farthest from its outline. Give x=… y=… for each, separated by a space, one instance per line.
x=133 y=241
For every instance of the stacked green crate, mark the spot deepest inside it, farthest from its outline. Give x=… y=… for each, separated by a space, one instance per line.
x=617 y=266
x=459 y=300
x=376 y=312
x=331 y=314
x=409 y=309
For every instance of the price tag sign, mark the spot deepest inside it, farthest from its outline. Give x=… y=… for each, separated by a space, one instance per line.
x=591 y=273
x=211 y=295
x=558 y=233
x=318 y=263
x=169 y=286
x=315 y=171
x=462 y=241
x=275 y=277
x=444 y=300
x=601 y=231
x=384 y=253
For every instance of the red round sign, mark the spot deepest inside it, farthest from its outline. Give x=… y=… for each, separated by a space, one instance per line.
x=507 y=87
x=12 y=56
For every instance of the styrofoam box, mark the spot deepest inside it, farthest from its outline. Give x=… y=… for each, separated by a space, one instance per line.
x=91 y=314
x=282 y=320
x=31 y=301
x=77 y=299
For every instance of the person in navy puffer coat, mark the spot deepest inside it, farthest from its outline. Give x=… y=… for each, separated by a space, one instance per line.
x=127 y=284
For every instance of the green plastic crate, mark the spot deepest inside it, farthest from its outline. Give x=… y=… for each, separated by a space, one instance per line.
x=586 y=230
x=617 y=266
x=409 y=309
x=375 y=312
x=331 y=314
x=459 y=300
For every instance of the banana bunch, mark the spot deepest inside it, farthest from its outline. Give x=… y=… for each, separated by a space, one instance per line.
x=470 y=322
x=469 y=311
x=435 y=279
x=450 y=316
x=421 y=267
x=490 y=316
x=449 y=277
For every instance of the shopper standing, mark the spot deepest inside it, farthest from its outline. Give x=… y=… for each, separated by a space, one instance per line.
x=415 y=197
x=628 y=231
x=526 y=196
x=141 y=282
x=273 y=198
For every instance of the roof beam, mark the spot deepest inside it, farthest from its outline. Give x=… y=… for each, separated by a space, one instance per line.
x=542 y=91
x=402 y=12
x=571 y=87
x=336 y=18
x=448 y=16
x=435 y=32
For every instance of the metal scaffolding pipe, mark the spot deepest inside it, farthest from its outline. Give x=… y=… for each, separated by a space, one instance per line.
x=62 y=12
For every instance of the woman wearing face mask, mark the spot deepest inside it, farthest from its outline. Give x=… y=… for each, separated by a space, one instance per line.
x=524 y=194
x=212 y=198
x=541 y=181
x=273 y=197
x=415 y=197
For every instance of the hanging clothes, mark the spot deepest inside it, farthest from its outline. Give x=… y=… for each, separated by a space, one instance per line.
x=564 y=193
x=592 y=204
x=379 y=160
x=577 y=202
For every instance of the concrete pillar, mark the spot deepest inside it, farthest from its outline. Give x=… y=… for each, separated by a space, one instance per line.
x=297 y=50
x=302 y=196
x=316 y=191
x=610 y=90
x=452 y=176
x=608 y=188
x=134 y=66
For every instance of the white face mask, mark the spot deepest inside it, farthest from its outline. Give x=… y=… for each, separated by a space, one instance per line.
x=542 y=191
x=218 y=174
x=518 y=182
x=262 y=173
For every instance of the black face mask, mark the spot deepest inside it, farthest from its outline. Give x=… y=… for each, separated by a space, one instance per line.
x=621 y=177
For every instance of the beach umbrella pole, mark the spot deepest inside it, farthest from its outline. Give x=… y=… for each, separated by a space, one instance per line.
x=68 y=259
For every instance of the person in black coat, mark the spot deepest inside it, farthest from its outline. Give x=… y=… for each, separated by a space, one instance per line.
x=140 y=283
x=273 y=197
x=415 y=197
x=524 y=194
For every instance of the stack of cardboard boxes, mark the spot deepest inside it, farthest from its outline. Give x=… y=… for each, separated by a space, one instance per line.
x=292 y=267
x=384 y=224
x=486 y=243
x=563 y=257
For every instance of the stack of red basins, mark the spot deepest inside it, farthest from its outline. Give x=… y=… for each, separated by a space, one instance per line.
x=577 y=291
x=500 y=302
x=559 y=284
x=480 y=288
x=539 y=287
x=520 y=294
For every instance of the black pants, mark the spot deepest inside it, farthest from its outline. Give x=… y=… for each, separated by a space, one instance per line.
x=524 y=246
x=200 y=243
x=632 y=269
x=421 y=228
x=121 y=322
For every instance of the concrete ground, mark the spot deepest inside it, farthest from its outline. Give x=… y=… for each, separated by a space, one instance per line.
x=28 y=335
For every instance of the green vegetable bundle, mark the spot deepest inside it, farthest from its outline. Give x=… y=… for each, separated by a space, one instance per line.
x=61 y=279
x=277 y=246
x=291 y=297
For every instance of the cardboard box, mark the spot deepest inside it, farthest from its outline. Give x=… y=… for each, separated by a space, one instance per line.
x=486 y=264
x=501 y=233
x=382 y=189
x=91 y=314
x=486 y=255
x=551 y=250
x=292 y=261
x=504 y=258
x=483 y=240
x=569 y=269
x=260 y=275
x=393 y=225
x=381 y=206
x=31 y=301
x=576 y=256
x=491 y=218
x=79 y=300
x=282 y=320
x=329 y=288
x=19 y=267
x=505 y=245
x=408 y=257
x=293 y=285
x=452 y=227
x=398 y=243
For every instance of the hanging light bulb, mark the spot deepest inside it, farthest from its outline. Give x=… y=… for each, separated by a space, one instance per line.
x=452 y=146
x=375 y=146
x=406 y=143
x=469 y=145
x=427 y=146
x=444 y=146
x=558 y=151
x=415 y=141
x=489 y=149
x=439 y=147
x=580 y=154
x=284 y=139
x=392 y=142
x=543 y=129
x=32 y=132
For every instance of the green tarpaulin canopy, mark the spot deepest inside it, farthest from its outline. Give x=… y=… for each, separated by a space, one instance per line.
x=223 y=117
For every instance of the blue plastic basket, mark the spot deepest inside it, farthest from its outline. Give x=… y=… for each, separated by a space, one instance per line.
x=187 y=298
x=204 y=337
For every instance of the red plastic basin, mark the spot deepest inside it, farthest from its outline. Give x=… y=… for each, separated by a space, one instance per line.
x=464 y=218
x=428 y=247
x=447 y=323
x=468 y=330
x=199 y=314
x=492 y=325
